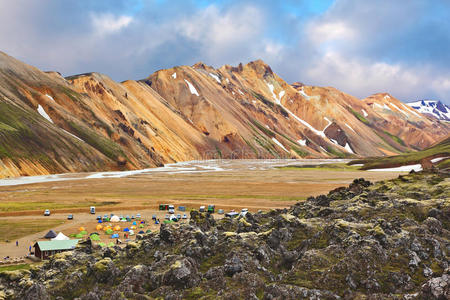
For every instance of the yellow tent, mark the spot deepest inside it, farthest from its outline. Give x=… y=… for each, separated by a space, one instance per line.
x=117 y=228
x=99 y=227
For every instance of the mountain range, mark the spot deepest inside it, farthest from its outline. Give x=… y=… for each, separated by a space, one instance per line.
x=433 y=108
x=89 y=122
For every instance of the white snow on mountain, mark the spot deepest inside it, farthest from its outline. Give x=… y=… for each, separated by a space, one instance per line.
x=434 y=108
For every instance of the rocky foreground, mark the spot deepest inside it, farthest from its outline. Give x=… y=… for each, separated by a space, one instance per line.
x=388 y=240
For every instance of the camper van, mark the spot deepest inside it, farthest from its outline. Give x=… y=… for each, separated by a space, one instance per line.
x=93 y=210
x=171 y=209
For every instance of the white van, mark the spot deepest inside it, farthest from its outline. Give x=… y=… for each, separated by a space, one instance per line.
x=93 y=210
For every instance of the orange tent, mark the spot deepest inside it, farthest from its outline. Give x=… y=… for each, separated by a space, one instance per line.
x=81 y=229
x=99 y=227
x=117 y=228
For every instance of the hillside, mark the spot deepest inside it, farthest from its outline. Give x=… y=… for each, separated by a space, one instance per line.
x=88 y=122
x=387 y=240
x=437 y=155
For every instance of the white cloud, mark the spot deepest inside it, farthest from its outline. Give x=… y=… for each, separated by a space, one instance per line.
x=109 y=23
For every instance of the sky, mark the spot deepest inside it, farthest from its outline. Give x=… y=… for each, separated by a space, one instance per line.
x=359 y=47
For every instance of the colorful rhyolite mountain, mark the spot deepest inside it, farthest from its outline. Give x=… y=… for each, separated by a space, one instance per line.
x=433 y=108
x=88 y=122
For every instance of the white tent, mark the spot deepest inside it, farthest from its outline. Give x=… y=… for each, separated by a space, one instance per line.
x=60 y=237
x=115 y=219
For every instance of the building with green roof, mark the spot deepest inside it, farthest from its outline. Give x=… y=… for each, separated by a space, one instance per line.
x=43 y=249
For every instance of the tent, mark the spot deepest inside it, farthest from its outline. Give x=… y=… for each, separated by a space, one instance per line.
x=92 y=233
x=141 y=226
x=79 y=236
x=115 y=236
x=131 y=232
x=123 y=220
x=102 y=244
x=133 y=227
x=84 y=232
x=115 y=219
x=141 y=232
x=51 y=234
x=148 y=231
x=81 y=229
x=60 y=237
x=111 y=244
x=95 y=237
x=126 y=230
x=116 y=228
x=99 y=227
x=134 y=223
x=100 y=221
x=109 y=231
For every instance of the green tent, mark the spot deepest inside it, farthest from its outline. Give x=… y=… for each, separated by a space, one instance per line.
x=84 y=232
x=102 y=244
x=111 y=244
x=109 y=231
x=148 y=231
x=95 y=237
x=168 y=222
x=79 y=236
x=141 y=226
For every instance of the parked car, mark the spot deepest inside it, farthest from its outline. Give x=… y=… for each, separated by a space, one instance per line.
x=70 y=217
x=167 y=217
x=202 y=209
x=171 y=211
x=92 y=210
x=231 y=214
x=105 y=217
x=184 y=216
x=179 y=216
x=211 y=208
x=173 y=218
x=99 y=217
x=138 y=216
x=220 y=212
x=47 y=212
x=154 y=217
x=182 y=208
x=132 y=217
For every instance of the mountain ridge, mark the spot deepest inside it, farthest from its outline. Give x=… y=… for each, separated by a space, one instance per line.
x=190 y=112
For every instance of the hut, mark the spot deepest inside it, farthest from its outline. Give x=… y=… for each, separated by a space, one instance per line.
x=44 y=249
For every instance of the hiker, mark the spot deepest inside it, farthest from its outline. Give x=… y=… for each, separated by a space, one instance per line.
x=17 y=243
x=29 y=249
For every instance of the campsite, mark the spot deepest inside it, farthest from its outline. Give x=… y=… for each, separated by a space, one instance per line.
x=256 y=186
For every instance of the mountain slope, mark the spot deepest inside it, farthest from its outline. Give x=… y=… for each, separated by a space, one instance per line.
x=88 y=122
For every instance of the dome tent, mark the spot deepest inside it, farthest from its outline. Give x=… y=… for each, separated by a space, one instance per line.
x=50 y=235
x=115 y=219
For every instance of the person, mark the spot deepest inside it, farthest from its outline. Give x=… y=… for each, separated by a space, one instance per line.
x=29 y=249
x=17 y=243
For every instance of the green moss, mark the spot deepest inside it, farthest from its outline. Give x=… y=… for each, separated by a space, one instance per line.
x=102 y=144
x=395 y=138
x=263 y=128
x=213 y=261
x=358 y=116
x=336 y=152
x=263 y=99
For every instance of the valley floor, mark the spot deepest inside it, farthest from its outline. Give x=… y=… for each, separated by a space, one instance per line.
x=256 y=185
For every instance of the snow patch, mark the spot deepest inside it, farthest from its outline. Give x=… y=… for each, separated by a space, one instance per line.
x=348 y=148
x=386 y=107
x=365 y=114
x=400 y=110
x=192 y=88
x=240 y=92
x=73 y=135
x=42 y=112
x=335 y=142
x=174 y=75
x=279 y=144
x=302 y=92
x=435 y=160
x=408 y=168
x=350 y=127
x=302 y=142
x=215 y=77
x=377 y=105
x=50 y=97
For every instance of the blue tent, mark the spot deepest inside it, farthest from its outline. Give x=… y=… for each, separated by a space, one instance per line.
x=115 y=236
x=126 y=230
x=134 y=223
x=100 y=221
x=141 y=232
